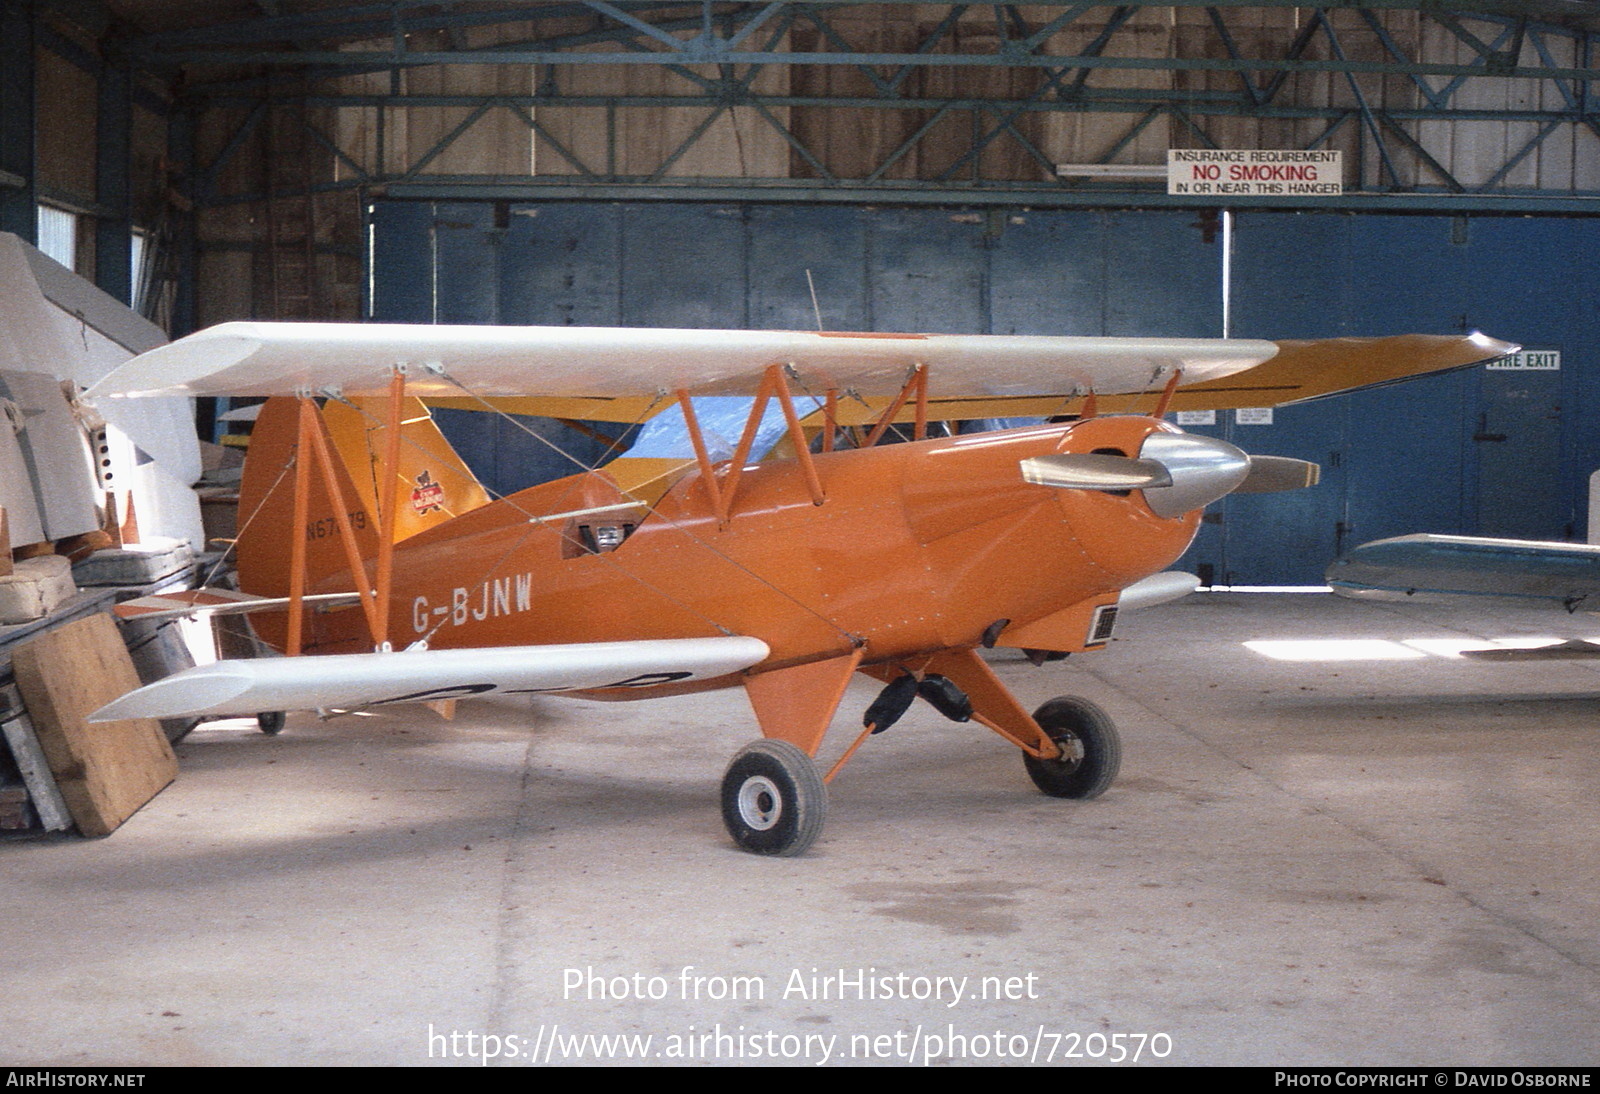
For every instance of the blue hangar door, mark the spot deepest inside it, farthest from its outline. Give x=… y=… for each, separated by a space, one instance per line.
x=1498 y=449
x=1501 y=451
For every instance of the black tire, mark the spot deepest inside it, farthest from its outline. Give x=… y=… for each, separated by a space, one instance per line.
x=773 y=800
x=1091 y=749
x=271 y=722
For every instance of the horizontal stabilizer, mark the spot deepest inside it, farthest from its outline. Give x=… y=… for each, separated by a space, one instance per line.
x=371 y=679
x=1430 y=567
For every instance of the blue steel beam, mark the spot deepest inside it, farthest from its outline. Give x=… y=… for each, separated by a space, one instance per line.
x=1119 y=19
x=447 y=140
x=742 y=86
x=707 y=47
x=643 y=27
x=1092 y=101
x=794 y=142
x=18 y=195
x=693 y=53
x=181 y=128
x=355 y=21
x=1361 y=100
x=1416 y=149
x=1225 y=36
x=673 y=36
x=113 y=233
x=1060 y=22
x=1521 y=154
x=541 y=51
x=688 y=142
x=1375 y=25
x=554 y=145
x=902 y=192
x=937 y=35
x=854 y=191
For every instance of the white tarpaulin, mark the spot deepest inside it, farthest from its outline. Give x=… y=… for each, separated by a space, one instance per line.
x=56 y=326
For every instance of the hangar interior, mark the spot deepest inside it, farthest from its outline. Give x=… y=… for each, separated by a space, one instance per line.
x=1334 y=841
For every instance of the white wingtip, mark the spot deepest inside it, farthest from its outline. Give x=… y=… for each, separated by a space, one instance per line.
x=192 y=691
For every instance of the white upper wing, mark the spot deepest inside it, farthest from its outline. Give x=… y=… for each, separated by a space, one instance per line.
x=250 y=359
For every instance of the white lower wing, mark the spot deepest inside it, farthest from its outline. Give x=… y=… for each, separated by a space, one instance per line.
x=371 y=679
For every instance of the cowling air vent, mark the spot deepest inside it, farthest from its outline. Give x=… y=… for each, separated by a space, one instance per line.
x=1101 y=623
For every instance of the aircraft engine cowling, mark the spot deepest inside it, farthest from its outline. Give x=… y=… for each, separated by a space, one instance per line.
x=1113 y=526
x=1023 y=524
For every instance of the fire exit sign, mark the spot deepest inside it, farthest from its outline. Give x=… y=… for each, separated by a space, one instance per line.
x=1548 y=360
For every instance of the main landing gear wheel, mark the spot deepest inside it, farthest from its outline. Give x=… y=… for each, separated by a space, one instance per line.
x=773 y=800
x=1091 y=751
x=270 y=722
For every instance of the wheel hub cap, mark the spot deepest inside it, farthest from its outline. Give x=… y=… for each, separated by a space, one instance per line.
x=1072 y=751
x=760 y=804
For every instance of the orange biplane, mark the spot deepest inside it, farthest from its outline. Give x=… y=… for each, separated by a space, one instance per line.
x=365 y=541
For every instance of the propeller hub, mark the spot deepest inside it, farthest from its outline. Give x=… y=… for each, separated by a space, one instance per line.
x=1202 y=470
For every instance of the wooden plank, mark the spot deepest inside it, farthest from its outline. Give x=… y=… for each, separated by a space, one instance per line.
x=105 y=772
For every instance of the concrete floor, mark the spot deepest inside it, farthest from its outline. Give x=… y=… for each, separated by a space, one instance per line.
x=1362 y=861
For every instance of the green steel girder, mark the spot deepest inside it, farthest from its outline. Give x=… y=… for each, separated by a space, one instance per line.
x=1441 y=198
x=741 y=41
x=1128 y=102
x=113 y=187
x=857 y=192
x=1371 y=122
x=1383 y=121
x=653 y=42
x=18 y=109
x=693 y=56
x=357 y=21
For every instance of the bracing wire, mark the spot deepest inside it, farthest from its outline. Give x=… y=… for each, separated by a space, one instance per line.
x=674 y=524
x=223 y=557
x=535 y=519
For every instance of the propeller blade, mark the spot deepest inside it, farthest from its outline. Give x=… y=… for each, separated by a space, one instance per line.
x=1094 y=471
x=1182 y=471
x=1269 y=474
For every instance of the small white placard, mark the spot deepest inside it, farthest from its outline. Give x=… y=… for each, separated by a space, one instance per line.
x=1255 y=172
x=1253 y=415
x=1197 y=417
x=1545 y=359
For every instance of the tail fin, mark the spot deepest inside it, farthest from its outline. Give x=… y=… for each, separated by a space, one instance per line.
x=267 y=522
x=432 y=483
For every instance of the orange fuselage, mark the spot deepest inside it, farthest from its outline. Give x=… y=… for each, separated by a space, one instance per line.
x=918 y=547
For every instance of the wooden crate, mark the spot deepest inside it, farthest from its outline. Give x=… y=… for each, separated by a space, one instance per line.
x=106 y=772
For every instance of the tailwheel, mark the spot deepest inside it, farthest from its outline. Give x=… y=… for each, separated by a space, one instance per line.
x=773 y=800
x=270 y=722
x=1091 y=751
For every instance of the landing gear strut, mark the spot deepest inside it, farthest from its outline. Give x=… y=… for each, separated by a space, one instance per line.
x=773 y=800
x=1091 y=751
